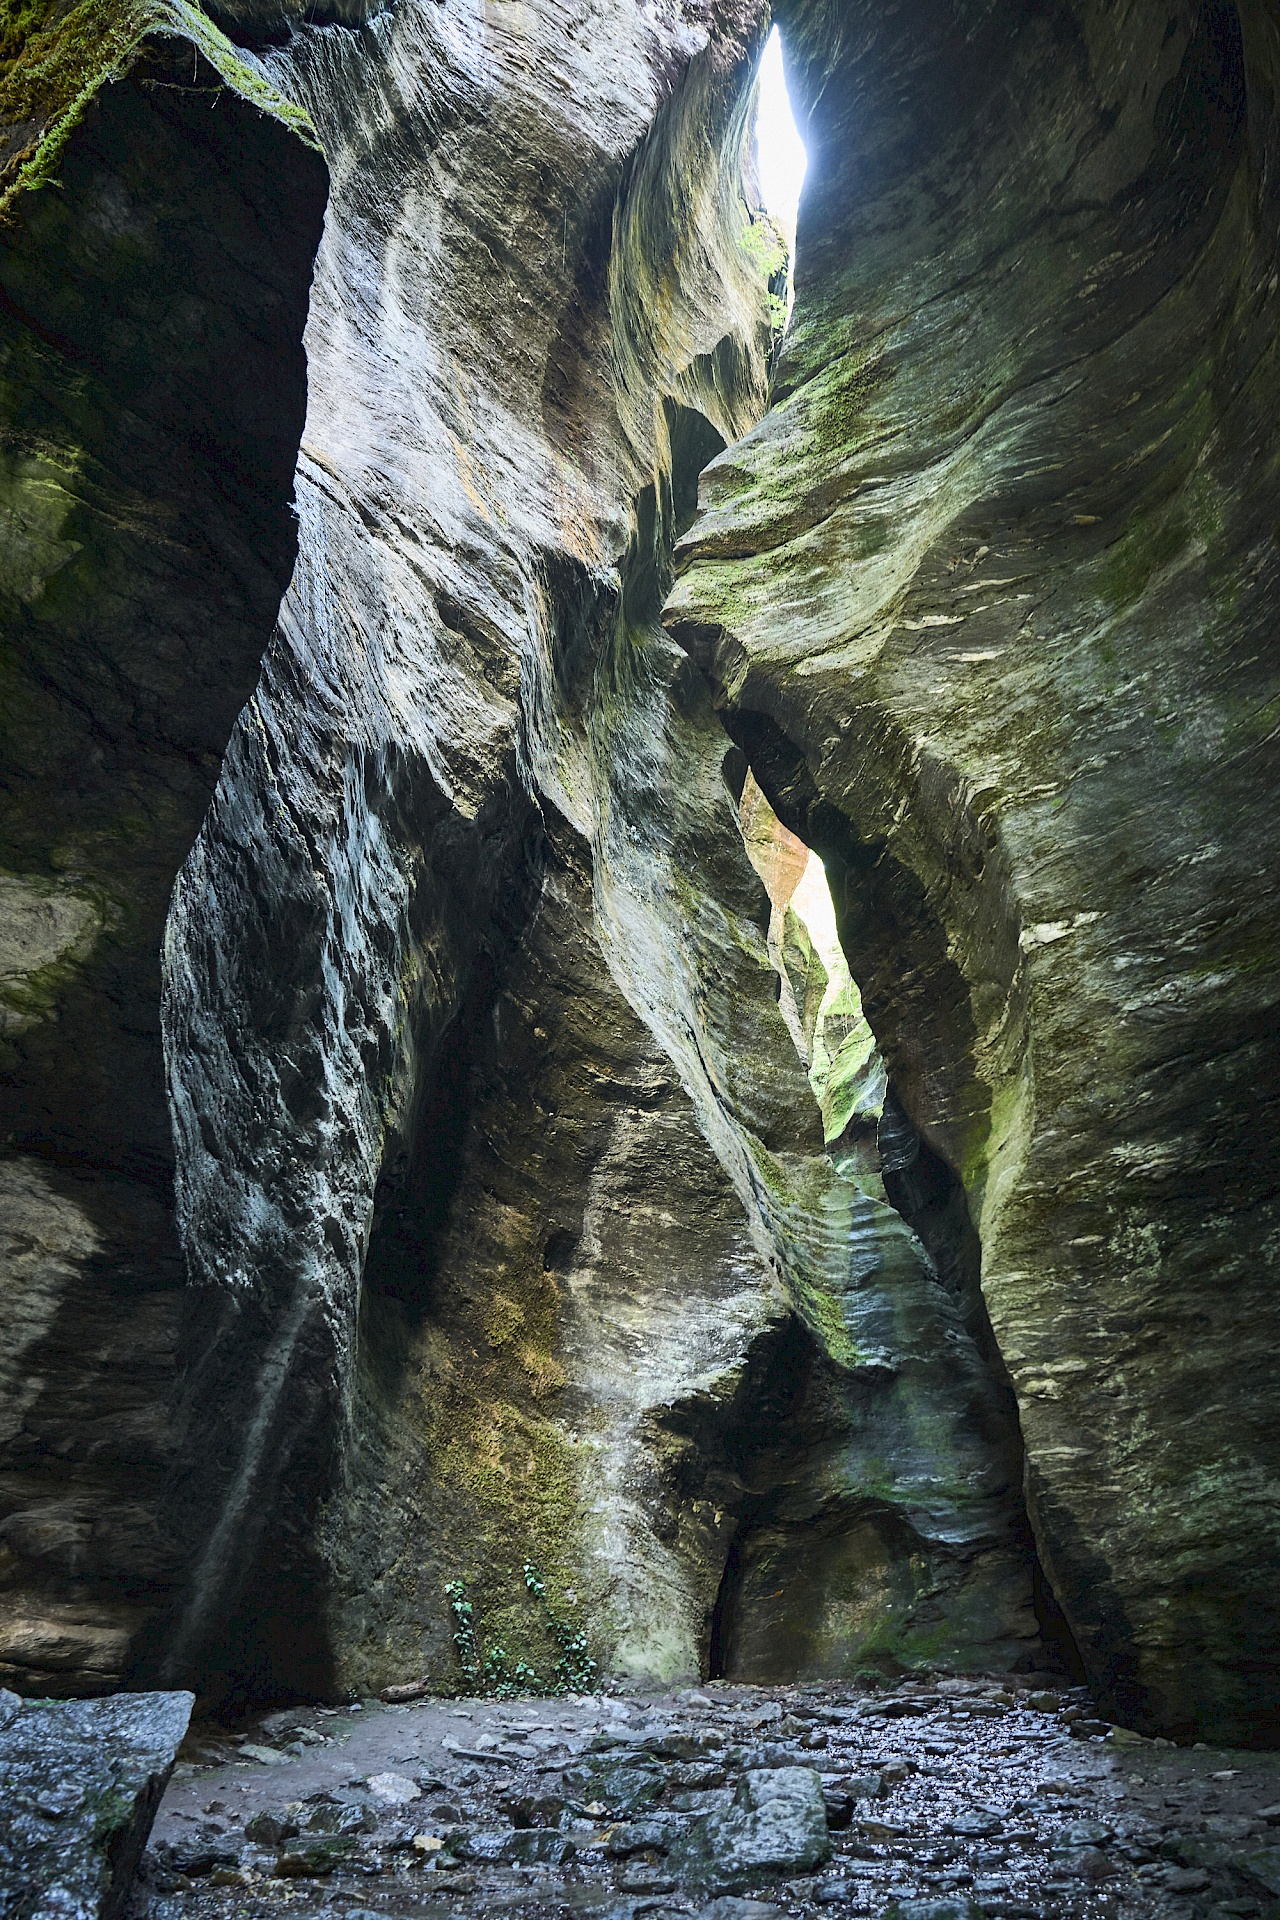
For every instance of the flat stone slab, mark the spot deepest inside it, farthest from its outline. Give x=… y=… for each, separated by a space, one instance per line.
x=80 y=1781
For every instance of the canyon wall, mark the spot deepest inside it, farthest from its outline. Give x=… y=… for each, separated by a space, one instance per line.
x=989 y=600
x=152 y=391
x=499 y=1176
x=420 y=1200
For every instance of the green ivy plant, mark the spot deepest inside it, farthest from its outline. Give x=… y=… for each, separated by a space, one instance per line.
x=492 y=1674
x=575 y=1669
x=464 y=1634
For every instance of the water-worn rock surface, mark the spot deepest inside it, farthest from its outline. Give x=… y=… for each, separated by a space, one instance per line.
x=514 y=1253
x=384 y=946
x=80 y=1782
x=152 y=390
x=969 y=1796
x=989 y=599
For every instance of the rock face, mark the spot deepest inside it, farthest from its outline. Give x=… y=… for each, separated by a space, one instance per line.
x=81 y=1783
x=499 y=1175
x=529 y=1321
x=987 y=598
x=152 y=389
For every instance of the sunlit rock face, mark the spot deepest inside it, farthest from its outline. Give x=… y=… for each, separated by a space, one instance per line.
x=500 y=1179
x=514 y=1260
x=988 y=598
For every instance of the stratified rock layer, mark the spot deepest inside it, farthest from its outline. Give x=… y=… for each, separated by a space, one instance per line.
x=988 y=598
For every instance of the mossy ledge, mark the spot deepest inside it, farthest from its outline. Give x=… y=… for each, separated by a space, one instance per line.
x=54 y=59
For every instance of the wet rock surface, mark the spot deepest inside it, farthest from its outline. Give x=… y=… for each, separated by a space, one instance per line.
x=968 y=611
x=80 y=1782
x=944 y=1799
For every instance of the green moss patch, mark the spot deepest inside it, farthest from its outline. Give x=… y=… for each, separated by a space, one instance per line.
x=55 y=58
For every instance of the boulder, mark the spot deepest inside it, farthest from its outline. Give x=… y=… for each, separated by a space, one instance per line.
x=80 y=1781
x=776 y=1825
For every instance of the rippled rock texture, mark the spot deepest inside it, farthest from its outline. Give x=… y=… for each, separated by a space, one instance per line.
x=514 y=1253
x=989 y=599
x=499 y=1174
x=390 y=958
x=152 y=390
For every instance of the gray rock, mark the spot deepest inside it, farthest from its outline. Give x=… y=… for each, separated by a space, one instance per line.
x=729 y=1907
x=1083 y=1863
x=339 y=1817
x=1186 y=1880
x=1084 y=1833
x=1261 y=1867
x=269 y=1828
x=307 y=1859
x=533 y=1847
x=644 y=1880
x=776 y=1825
x=979 y=1825
x=774 y=1756
x=196 y=1858
x=81 y=1783
x=952 y=1907
x=643 y=1836
x=839 y=1808
x=866 y=1786
x=835 y=1891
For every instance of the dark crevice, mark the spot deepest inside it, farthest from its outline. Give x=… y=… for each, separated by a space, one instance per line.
x=728 y=1595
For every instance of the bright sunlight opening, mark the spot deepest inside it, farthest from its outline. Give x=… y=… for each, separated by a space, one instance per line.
x=780 y=156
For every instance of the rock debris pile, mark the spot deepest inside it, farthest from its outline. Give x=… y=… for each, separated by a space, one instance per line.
x=943 y=1799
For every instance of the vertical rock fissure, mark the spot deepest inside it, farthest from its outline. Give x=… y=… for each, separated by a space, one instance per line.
x=917 y=1180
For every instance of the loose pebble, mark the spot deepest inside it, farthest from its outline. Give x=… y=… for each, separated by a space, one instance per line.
x=961 y=1798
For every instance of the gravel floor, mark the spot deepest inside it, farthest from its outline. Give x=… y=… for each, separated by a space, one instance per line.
x=951 y=1798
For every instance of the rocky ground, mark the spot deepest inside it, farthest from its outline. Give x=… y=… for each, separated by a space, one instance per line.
x=931 y=1799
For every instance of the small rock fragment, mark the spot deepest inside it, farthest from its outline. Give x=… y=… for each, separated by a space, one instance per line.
x=1084 y=1863
x=407 y=1690
x=308 y=1859
x=839 y=1808
x=1084 y=1833
x=979 y=1825
x=728 y=1907
x=951 y=1907
x=268 y=1829
x=1185 y=1879
x=393 y=1789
